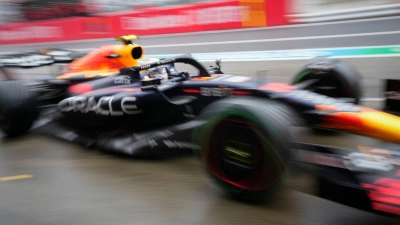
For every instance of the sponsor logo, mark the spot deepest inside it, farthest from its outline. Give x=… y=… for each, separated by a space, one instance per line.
x=212 y=15
x=318 y=158
x=354 y=161
x=33 y=32
x=217 y=92
x=361 y=161
x=155 y=68
x=143 y=67
x=166 y=61
x=122 y=80
x=106 y=105
x=237 y=79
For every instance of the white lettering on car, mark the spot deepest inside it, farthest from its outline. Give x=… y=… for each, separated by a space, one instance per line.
x=99 y=109
x=128 y=105
x=361 y=161
x=324 y=159
x=114 y=112
x=217 y=92
x=104 y=106
x=146 y=66
x=122 y=80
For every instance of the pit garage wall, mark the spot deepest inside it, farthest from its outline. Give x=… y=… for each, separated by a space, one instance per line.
x=321 y=6
x=232 y=14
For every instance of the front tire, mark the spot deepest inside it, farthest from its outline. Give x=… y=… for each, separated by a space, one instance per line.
x=245 y=145
x=333 y=78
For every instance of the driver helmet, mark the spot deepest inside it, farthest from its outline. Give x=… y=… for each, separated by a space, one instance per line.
x=156 y=72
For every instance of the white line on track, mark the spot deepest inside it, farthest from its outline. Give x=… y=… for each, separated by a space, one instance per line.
x=286 y=50
x=270 y=59
x=301 y=58
x=373 y=99
x=269 y=40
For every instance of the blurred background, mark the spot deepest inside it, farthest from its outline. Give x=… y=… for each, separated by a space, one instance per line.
x=31 y=10
x=45 y=181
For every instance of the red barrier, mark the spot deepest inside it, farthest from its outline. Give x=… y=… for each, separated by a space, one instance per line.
x=231 y=14
x=197 y=17
x=277 y=11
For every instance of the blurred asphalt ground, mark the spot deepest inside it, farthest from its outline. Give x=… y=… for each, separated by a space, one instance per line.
x=66 y=184
x=47 y=181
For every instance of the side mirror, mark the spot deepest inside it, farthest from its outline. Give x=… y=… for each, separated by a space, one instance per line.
x=218 y=63
x=215 y=69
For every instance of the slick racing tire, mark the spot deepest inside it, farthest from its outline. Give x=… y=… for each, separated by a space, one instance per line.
x=332 y=78
x=18 y=108
x=245 y=145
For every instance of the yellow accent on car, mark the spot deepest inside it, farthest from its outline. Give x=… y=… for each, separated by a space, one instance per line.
x=125 y=38
x=374 y=124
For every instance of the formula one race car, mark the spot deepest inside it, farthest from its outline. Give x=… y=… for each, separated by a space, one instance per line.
x=107 y=61
x=245 y=130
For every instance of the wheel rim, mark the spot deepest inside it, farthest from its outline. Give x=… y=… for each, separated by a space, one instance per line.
x=239 y=155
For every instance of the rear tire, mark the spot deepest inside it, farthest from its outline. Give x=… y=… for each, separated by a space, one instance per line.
x=18 y=108
x=245 y=145
x=335 y=79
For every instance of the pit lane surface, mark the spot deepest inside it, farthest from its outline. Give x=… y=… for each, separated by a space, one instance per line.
x=45 y=181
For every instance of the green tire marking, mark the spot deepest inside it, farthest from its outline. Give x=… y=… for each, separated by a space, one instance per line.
x=300 y=77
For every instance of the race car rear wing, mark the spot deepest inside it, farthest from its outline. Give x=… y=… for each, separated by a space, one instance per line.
x=39 y=58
